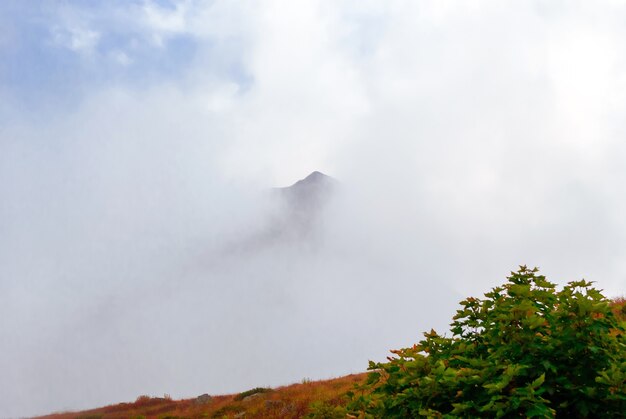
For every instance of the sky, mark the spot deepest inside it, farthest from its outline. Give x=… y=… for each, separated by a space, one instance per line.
x=138 y=140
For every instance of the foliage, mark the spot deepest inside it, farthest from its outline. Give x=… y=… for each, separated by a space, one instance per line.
x=526 y=349
x=326 y=410
x=248 y=393
x=225 y=411
x=618 y=306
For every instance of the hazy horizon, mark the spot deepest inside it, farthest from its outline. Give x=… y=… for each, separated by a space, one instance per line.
x=139 y=140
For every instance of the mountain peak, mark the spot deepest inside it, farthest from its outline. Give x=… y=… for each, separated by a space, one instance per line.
x=316 y=174
x=311 y=192
x=313 y=178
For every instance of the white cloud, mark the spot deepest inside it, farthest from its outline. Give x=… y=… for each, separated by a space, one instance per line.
x=164 y=22
x=121 y=58
x=77 y=39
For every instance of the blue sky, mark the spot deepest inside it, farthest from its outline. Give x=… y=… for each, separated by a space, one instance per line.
x=56 y=53
x=136 y=138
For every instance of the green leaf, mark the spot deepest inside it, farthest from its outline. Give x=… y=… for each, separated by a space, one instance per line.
x=499 y=346
x=539 y=381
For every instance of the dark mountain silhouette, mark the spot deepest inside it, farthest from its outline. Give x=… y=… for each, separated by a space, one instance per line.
x=301 y=208
x=296 y=218
x=310 y=194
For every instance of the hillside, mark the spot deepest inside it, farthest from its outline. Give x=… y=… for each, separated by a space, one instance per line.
x=291 y=401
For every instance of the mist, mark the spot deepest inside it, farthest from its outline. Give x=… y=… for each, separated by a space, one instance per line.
x=140 y=143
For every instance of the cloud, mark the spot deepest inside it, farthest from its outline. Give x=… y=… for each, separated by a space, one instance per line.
x=77 y=39
x=465 y=144
x=163 y=23
x=74 y=29
x=164 y=20
x=121 y=58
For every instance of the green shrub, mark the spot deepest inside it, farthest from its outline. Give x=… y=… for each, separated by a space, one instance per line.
x=325 y=410
x=247 y=393
x=526 y=349
x=227 y=411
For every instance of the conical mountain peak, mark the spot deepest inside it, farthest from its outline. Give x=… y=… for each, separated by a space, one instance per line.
x=313 y=178
x=311 y=192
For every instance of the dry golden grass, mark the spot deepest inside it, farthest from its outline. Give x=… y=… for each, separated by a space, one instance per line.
x=291 y=401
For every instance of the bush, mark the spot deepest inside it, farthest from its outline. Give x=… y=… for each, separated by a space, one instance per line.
x=143 y=399
x=325 y=410
x=526 y=349
x=227 y=411
x=251 y=392
x=619 y=308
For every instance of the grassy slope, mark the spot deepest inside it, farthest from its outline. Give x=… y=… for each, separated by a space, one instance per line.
x=284 y=402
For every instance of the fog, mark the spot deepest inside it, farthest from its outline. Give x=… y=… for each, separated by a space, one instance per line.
x=136 y=178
